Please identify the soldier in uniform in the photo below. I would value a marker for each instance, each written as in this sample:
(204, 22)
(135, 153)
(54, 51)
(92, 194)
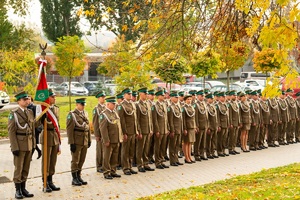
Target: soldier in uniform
(265, 121)
(53, 142)
(284, 118)
(145, 129)
(79, 139)
(22, 140)
(245, 121)
(274, 119)
(234, 122)
(181, 104)
(223, 121)
(160, 129)
(127, 114)
(180, 98)
(202, 124)
(150, 102)
(134, 95)
(175, 124)
(255, 121)
(96, 113)
(213, 128)
(111, 132)
(120, 98)
(292, 116)
(297, 130)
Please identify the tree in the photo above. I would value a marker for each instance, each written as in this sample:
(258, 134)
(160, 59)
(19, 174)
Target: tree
(69, 52)
(18, 69)
(59, 19)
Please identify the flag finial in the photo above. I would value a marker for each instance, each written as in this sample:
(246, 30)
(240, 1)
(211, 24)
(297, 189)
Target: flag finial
(43, 48)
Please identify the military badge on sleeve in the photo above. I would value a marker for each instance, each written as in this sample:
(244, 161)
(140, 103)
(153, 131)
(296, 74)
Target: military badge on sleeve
(69, 116)
(119, 107)
(94, 111)
(101, 117)
(10, 116)
(168, 109)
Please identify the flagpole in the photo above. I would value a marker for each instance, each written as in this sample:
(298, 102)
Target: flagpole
(45, 153)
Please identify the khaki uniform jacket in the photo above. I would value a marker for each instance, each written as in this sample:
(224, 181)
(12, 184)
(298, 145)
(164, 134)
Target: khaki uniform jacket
(78, 129)
(110, 127)
(292, 109)
(201, 115)
(52, 136)
(188, 117)
(160, 118)
(144, 117)
(223, 115)
(264, 112)
(298, 107)
(175, 118)
(234, 114)
(245, 112)
(212, 117)
(283, 110)
(274, 110)
(96, 114)
(127, 114)
(21, 130)
(255, 112)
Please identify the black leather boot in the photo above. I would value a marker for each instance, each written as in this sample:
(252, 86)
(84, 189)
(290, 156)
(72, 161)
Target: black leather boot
(18, 194)
(48, 189)
(80, 179)
(24, 191)
(75, 180)
(51, 185)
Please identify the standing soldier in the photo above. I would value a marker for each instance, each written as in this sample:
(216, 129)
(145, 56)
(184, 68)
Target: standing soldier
(160, 129)
(127, 114)
(53, 142)
(96, 113)
(245, 121)
(22, 141)
(274, 119)
(79, 138)
(211, 137)
(284, 118)
(202, 124)
(181, 104)
(297, 130)
(292, 116)
(120, 98)
(265, 121)
(175, 124)
(150, 102)
(223, 121)
(111, 132)
(255, 119)
(234, 122)
(145, 129)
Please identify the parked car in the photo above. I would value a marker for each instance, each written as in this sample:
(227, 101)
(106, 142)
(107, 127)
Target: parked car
(4, 99)
(253, 84)
(174, 86)
(200, 85)
(213, 83)
(76, 89)
(91, 86)
(52, 85)
(223, 88)
(111, 87)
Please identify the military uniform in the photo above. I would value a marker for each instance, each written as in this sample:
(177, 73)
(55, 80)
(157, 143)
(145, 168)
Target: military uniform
(234, 122)
(265, 121)
(292, 109)
(151, 139)
(99, 148)
(297, 129)
(255, 118)
(223, 121)
(273, 127)
(282, 125)
(145, 127)
(21, 134)
(111, 132)
(79, 138)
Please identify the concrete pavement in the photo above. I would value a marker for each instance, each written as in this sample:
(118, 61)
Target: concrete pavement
(142, 184)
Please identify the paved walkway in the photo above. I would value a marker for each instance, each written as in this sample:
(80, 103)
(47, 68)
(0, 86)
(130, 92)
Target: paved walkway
(142, 184)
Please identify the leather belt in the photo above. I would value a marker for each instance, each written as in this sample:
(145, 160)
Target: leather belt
(22, 134)
(50, 129)
(79, 130)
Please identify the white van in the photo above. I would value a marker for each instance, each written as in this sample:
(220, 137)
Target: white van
(253, 75)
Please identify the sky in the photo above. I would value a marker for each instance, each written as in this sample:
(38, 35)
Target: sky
(102, 38)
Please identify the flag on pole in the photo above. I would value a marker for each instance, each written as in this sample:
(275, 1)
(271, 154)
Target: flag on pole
(42, 97)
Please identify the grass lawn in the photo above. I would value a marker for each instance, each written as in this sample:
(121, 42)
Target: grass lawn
(3, 123)
(277, 183)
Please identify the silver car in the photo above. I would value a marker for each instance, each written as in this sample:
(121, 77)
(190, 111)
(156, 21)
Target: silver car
(4, 99)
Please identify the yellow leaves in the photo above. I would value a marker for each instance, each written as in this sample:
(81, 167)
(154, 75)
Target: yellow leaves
(79, 12)
(109, 9)
(124, 28)
(135, 18)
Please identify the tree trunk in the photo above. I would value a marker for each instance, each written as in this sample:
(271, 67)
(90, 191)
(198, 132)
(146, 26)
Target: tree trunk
(227, 73)
(69, 93)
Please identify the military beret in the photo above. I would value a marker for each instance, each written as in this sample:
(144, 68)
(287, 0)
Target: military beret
(159, 92)
(110, 99)
(216, 93)
(221, 94)
(120, 96)
(254, 92)
(248, 91)
(209, 96)
(143, 90)
(101, 93)
(134, 93)
(232, 92)
(127, 91)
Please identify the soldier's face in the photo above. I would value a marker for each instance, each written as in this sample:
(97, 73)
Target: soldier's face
(111, 106)
(80, 106)
(23, 102)
(210, 100)
(174, 99)
(200, 97)
(143, 96)
(151, 97)
(188, 100)
(52, 100)
(222, 99)
(233, 97)
(161, 97)
(127, 96)
(101, 100)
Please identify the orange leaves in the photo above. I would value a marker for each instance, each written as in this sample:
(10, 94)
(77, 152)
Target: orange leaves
(267, 60)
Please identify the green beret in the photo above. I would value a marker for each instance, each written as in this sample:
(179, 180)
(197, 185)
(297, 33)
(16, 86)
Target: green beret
(134, 93)
(192, 92)
(200, 92)
(159, 92)
(80, 100)
(187, 96)
(209, 96)
(110, 99)
(206, 91)
(254, 92)
(127, 91)
(297, 94)
(51, 92)
(289, 90)
(151, 92)
(181, 93)
(248, 91)
(221, 94)
(143, 90)
(101, 93)
(232, 92)
(120, 96)
(173, 94)
(21, 95)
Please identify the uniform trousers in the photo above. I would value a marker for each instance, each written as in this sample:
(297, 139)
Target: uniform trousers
(142, 150)
(233, 134)
(159, 148)
(110, 158)
(128, 148)
(297, 130)
(290, 130)
(202, 134)
(272, 136)
(281, 132)
(99, 154)
(211, 142)
(221, 133)
(22, 165)
(78, 158)
(51, 159)
(253, 136)
(173, 148)
(263, 133)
